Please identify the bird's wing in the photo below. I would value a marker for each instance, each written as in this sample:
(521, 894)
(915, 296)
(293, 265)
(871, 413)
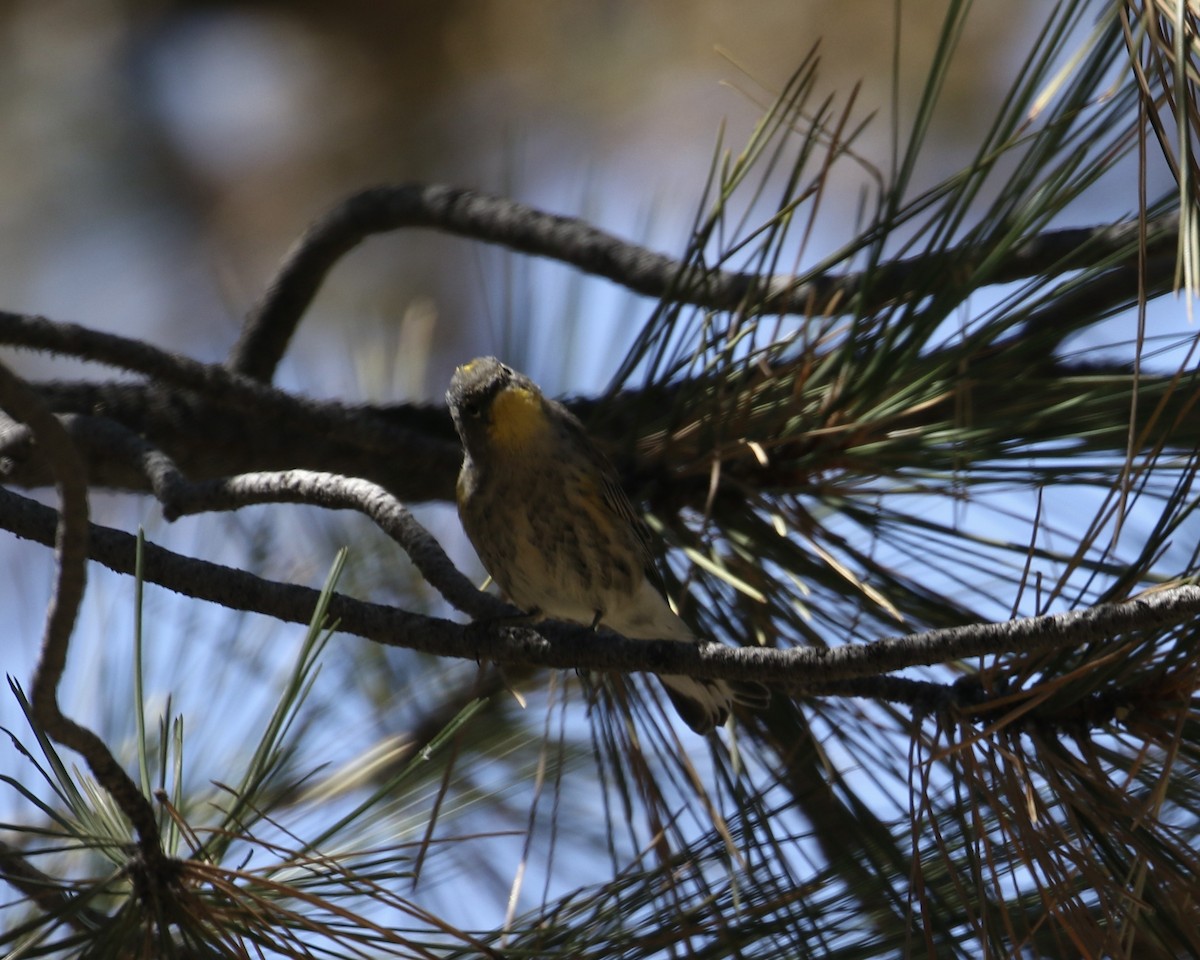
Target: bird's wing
(618, 502)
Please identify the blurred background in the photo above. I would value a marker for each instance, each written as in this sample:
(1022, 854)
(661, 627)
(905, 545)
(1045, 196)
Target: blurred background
(159, 158)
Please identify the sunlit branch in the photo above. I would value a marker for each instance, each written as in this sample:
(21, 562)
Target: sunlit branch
(342, 493)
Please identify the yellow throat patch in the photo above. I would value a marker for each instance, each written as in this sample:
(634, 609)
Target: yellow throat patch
(517, 418)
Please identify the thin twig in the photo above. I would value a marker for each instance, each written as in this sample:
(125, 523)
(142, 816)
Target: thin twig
(180, 497)
(71, 532)
(118, 440)
(342, 493)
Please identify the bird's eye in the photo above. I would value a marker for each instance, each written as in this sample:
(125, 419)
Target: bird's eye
(472, 409)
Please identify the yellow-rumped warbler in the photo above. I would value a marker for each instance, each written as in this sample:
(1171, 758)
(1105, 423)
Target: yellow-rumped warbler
(546, 513)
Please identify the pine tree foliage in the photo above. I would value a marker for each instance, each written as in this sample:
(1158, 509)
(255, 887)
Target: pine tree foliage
(962, 414)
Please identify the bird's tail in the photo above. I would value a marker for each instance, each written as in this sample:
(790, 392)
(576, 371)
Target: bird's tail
(705, 704)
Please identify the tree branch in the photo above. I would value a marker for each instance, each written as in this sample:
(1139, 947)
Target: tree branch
(180, 497)
(558, 645)
(71, 529)
(467, 213)
(231, 390)
(213, 422)
(343, 493)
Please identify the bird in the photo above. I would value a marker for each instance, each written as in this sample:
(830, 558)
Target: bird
(545, 511)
